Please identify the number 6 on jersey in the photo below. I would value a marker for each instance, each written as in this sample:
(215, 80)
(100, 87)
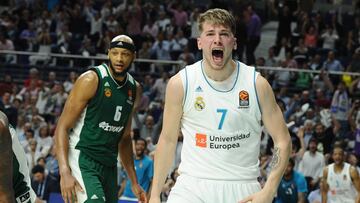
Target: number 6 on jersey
(117, 115)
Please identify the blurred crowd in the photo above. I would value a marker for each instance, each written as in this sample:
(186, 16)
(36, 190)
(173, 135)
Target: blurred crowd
(321, 110)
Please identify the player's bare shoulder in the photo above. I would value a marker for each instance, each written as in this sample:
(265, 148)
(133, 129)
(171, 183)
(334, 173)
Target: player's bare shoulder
(174, 89)
(88, 77)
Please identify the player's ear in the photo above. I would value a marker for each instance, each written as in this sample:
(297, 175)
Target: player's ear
(199, 43)
(235, 43)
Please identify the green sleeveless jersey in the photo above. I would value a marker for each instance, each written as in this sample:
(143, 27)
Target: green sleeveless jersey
(98, 131)
(21, 173)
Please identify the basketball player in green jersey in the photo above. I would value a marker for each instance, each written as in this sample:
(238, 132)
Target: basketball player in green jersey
(95, 126)
(15, 185)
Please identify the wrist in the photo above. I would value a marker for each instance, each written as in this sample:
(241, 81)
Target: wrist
(64, 170)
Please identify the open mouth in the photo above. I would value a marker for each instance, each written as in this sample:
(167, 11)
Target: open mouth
(217, 55)
(119, 66)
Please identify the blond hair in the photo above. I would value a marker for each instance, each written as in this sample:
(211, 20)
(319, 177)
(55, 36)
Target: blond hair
(217, 16)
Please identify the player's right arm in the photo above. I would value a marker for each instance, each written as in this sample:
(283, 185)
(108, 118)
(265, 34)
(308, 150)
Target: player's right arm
(326, 186)
(6, 157)
(83, 90)
(165, 149)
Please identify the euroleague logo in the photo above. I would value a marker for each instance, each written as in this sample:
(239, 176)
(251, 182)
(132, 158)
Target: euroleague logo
(243, 99)
(107, 92)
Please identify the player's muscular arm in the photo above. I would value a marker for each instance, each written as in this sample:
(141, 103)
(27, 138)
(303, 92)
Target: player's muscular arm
(125, 145)
(6, 157)
(275, 124)
(164, 154)
(356, 181)
(84, 89)
(126, 152)
(326, 186)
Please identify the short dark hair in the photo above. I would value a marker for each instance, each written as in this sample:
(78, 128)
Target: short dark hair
(37, 169)
(141, 139)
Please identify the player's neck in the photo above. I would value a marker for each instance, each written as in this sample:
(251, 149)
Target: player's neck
(219, 74)
(339, 167)
(118, 78)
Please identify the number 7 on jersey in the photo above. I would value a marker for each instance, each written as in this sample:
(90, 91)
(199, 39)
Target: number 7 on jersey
(223, 114)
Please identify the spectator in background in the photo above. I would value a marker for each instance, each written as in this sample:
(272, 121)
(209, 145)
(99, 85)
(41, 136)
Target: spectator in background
(312, 164)
(148, 128)
(69, 82)
(315, 195)
(134, 18)
(29, 136)
(180, 16)
(33, 77)
(150, 29)
(6, 44)
(161, 48)
(332, 64)
(321, 101)
(311, 37)
(64, 39)
(44, 40)
(284, 17)
(33, 154)
(340, 106)
(28, 37)
(354, 121)
(96, 21)
(144, 172)
(187, 56)
(325, 138)
(162, 21)
(158, 89)
(315, 62)
(43, 184)
(329, 38)
(293, 187)
(253, 34)
(44, 140)
(9, 109)
(52, 164)
(6, 85)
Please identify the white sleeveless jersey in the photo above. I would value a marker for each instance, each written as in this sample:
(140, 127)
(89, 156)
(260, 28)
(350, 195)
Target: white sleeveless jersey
(221, 129)
(340, 185)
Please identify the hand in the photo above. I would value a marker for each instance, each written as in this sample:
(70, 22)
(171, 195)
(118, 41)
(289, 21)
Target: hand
(259, 197)
(301, 133)
(154, 199)
(69, 185)
(139, 193)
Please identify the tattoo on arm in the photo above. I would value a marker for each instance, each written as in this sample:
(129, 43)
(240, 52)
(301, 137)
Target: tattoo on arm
(275, 158)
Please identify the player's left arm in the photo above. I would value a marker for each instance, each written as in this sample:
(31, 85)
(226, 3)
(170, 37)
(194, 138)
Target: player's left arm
(126, 150)
(356, 181)
(274, 123)
(6, 157)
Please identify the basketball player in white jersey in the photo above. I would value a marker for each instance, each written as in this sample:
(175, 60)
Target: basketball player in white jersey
(218, 104)
(15, 185)
(341, 179)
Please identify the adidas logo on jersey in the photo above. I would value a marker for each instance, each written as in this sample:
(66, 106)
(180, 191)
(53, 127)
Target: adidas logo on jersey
(107, 84)
(198, 89)
(94, 197)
